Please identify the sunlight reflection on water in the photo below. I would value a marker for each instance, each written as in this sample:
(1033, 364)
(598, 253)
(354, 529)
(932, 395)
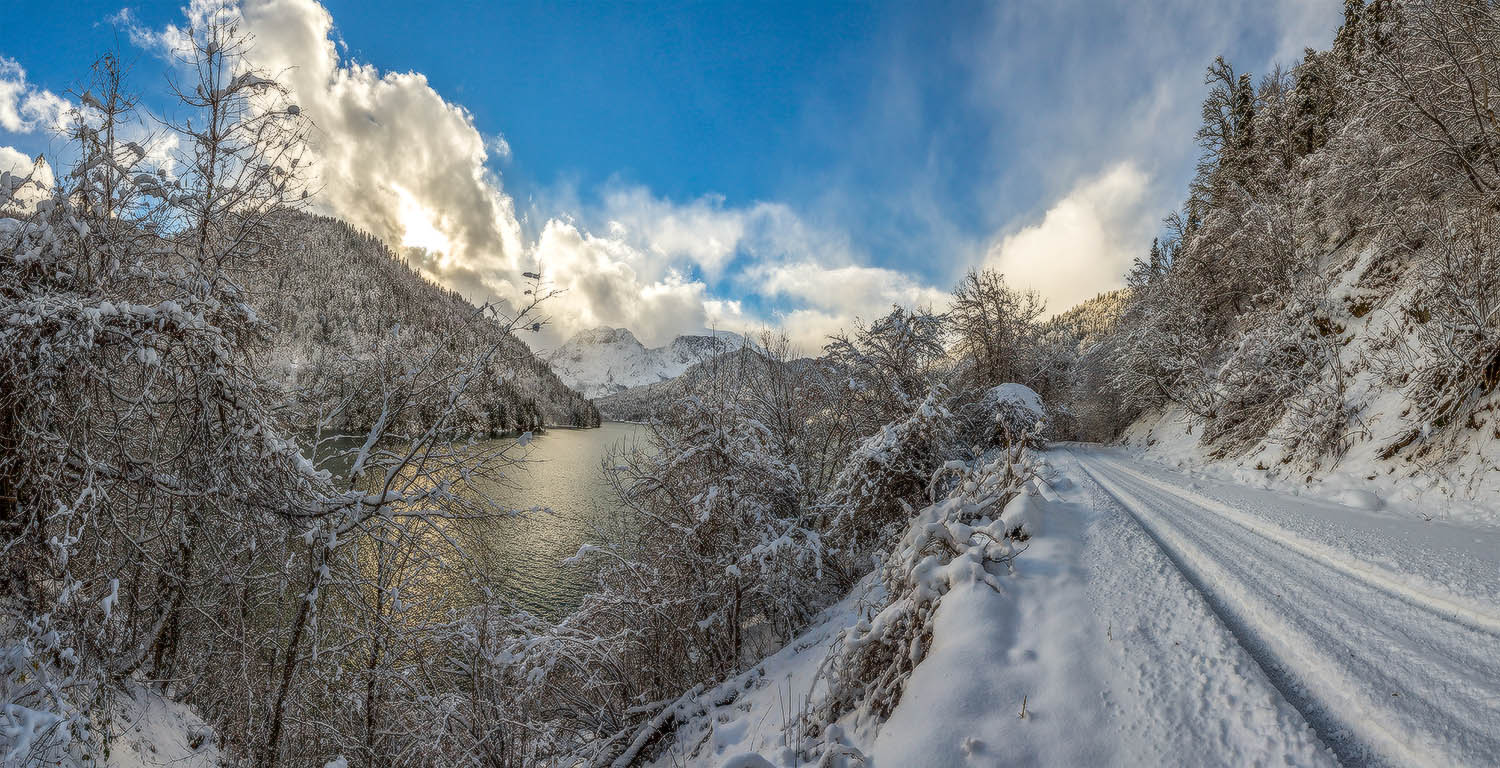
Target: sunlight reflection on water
(563, 473)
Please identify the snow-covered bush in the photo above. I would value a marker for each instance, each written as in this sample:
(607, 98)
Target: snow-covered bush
(882, 484)
(890, 364)
(960, 538)
(170, 515)
(142, 449)
(1284, 351)
(1002, 416)
(1454, 363)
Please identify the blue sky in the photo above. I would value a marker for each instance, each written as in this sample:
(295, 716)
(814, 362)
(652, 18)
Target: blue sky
(682, 164)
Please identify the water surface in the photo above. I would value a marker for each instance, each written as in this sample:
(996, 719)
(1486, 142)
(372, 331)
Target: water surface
(563, 474)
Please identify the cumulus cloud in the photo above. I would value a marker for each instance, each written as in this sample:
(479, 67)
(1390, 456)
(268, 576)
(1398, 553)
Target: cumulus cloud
(396, 158)
(832, 296)
(24, 107)
(1085, 241)
(701, 232)
(393, 155)
(604, 286)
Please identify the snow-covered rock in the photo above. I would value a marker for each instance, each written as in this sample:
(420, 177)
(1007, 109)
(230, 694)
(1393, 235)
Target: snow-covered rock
(602, 361)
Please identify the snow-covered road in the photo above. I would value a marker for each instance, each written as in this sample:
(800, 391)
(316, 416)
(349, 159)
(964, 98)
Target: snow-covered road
(1383, 632)
(1164, 618)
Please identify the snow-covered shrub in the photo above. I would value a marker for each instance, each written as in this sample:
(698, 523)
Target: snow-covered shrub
(722, 563)
(890, 363)
(1454, 364)
(1321, 423)
(142, 451)
(882, 484)
(163, 519)
(961, 538)
(43, 720)
(1001, 417)
(1284, 351)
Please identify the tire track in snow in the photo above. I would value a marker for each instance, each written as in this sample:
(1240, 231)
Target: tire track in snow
(1383, 678)
(1445, 606)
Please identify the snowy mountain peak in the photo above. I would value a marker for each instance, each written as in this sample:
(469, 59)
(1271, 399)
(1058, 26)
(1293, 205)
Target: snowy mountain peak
(602, 361)
(606, 335)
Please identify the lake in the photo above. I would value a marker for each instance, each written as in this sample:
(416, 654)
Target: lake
(564, 474)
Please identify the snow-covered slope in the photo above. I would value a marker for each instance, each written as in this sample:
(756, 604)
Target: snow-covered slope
(1383, 446)
(602, 361)
(337, 292)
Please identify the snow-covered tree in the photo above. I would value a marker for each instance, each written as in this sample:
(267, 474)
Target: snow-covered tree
(891, 363)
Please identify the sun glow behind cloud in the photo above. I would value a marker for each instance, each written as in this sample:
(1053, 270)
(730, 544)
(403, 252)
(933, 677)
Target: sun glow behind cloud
(417, 227)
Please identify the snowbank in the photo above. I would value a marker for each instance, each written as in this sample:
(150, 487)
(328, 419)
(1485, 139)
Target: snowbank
(1024, 513)
(148, 730)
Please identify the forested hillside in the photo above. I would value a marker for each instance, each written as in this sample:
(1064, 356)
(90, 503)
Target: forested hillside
(335, 294)
(1330, 288)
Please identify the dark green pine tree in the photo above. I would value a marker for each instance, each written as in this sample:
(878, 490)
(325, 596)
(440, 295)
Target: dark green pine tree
(1350, 40)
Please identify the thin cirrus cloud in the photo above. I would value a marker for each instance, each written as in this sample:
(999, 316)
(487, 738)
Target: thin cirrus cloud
(394, 157)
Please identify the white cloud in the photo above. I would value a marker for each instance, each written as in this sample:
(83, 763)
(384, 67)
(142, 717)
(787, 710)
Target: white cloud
(702, 232)
(393, 156)
(1084, 243)
(834, 295)
(603, 287)
(24, 107)
(499, 147)
(20, 164)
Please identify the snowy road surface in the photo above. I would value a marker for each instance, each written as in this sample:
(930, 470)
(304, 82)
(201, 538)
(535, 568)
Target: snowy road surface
(1158, 618)
(1383, 632)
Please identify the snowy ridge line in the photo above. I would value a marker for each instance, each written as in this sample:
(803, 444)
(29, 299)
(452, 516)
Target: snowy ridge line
(1450, 607)
(1200, 570)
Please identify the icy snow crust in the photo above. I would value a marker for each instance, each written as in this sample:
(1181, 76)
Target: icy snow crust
(149, 730)
(1383, 631)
